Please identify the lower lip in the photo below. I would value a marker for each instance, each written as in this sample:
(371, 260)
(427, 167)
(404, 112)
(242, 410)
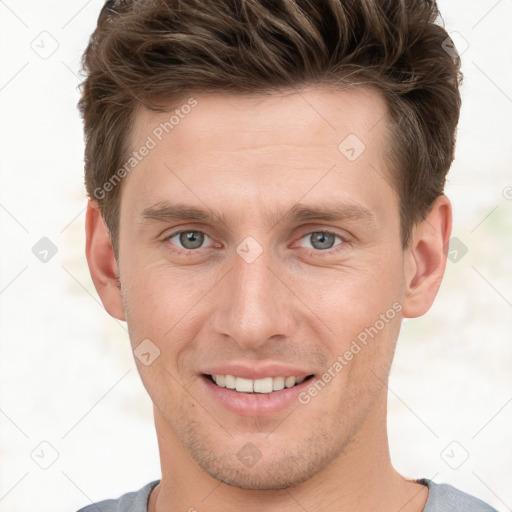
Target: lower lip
(254, 404)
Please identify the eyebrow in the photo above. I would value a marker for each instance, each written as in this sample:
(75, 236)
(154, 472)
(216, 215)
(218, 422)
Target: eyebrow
(333, 212)
(165, 211)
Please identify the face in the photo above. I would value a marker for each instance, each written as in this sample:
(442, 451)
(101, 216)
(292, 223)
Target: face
(260, 248)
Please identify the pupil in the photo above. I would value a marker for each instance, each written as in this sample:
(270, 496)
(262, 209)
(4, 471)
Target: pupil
(191, 239)
(322, 240)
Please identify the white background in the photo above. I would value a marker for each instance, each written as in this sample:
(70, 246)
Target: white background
(67, 372)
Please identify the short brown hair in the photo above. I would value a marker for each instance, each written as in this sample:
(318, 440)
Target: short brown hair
(146, 52)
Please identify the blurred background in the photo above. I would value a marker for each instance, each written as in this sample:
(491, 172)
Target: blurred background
(76, 424)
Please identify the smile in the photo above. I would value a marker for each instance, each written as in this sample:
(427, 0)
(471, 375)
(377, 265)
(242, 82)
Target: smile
(265, 385)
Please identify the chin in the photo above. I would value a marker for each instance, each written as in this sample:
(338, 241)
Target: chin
(272, 468)
(260, 478)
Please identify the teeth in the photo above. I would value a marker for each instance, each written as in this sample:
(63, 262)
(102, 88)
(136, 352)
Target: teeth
(289, 382)
(263, 385)
(229, 381)
(278, 383)
(266, 385)
(244, 385)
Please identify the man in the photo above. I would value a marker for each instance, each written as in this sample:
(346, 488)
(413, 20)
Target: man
(266, 205)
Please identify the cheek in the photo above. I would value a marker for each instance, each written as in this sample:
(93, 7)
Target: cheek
(362, 309)
(161, 299)
(169, 307)
(351, 299)
(360, 356)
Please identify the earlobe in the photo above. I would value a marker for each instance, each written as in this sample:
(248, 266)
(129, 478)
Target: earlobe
(425, 259)
(102, 263)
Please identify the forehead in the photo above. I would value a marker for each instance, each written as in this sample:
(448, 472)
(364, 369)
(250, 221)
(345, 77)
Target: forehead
(295, 115)
(265, 149)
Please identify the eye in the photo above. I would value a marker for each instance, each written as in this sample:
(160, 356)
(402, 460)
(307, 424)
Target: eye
(189, 240)
(321, 240)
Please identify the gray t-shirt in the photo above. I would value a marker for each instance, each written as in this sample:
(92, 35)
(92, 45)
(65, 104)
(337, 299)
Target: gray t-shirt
(441, 498)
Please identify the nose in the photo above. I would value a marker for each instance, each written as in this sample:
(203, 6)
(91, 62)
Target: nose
(254, 304)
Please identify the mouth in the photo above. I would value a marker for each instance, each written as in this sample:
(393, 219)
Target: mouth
(265, 385)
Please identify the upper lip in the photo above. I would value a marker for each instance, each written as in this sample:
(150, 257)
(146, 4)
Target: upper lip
(255, 372)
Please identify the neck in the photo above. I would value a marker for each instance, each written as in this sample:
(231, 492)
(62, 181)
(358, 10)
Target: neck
(361, 478)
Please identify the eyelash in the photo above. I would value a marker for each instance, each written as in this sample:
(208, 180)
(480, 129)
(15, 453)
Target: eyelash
(316, 252)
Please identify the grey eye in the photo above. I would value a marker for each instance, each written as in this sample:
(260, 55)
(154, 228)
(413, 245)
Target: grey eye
(190, 239)
(321, 240)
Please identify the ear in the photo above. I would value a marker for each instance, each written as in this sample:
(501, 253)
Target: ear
(425, 258)
(102, 263)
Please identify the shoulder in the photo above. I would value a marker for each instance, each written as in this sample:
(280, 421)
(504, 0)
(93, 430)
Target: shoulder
(130, 502)
(445, 498)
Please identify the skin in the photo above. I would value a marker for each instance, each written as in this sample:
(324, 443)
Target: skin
(252, 159)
